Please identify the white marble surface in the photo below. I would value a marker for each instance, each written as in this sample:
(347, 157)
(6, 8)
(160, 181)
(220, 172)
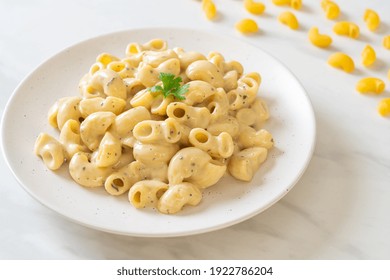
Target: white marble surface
(338, 210)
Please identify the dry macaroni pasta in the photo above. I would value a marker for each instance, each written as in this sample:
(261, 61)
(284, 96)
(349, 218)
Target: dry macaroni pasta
(384, 107)
(342, 61)
(330, 8)
(247, 26)
(386, 42)
(372, 19)
(159, 150)
(370, 85)
(346, 28)
(256, 8)
(289, 19)
(209, 9)
(295, 4)
(319, 40)
(368, 56)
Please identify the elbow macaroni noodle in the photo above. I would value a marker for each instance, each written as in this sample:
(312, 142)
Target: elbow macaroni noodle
(289, 19)
(372, 19)
(319, 40)
(256, 8)
(295, 4)
(384, 107)
(386, 42)
(342, 61)
(368, 56)
(247, 26)
(331, 9)
(281, 2)
(370, 85)
(209, 9)
(346, 28)
(160, 151)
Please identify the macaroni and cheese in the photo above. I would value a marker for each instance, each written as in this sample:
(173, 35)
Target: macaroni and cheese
(159, 141)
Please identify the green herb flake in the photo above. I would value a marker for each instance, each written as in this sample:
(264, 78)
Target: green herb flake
(171, 86)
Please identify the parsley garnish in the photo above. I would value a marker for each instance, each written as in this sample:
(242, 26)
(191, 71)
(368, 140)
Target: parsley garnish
(171, 86)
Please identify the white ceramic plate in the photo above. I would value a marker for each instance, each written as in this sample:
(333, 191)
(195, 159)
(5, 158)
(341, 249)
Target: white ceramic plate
(227, 203)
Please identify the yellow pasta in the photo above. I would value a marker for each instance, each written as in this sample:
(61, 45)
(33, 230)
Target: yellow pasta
(247, 26)
(173, 200)
(109, 152)
(99, 104)
(295, 4)
(346, 28)
(50, 150)
(190, 164)
(209, 9)
(155, 45)
(289, 19)
(71, 140)
(189, 115)
(331, 9)
(256, 8)
(384, 107)
(342, 61)
(370, 85)
(372, 19)
(68, 109)
(147, 193)
(217, 146)
(386, 42)
(154, 154)
(319, 40)
(96, 67)
(244, 164)
(227, 124)
(204, 70)
(249, 137)
(281, 2)
(150, 131)
(133, 49)
(368, 56)
(94, 127)
(85, 172)
(124, 69)
(123, 125)
(106, 58)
